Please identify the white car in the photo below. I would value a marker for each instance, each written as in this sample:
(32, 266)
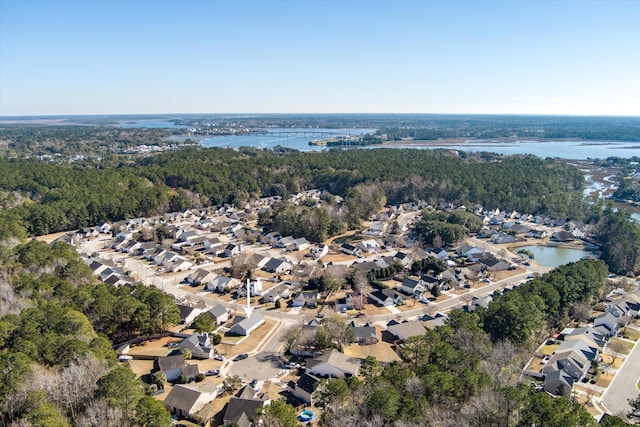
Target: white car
(124, 358)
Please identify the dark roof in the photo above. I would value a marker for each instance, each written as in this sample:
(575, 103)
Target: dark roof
(307, 382)
(170, 362)
(239, 410)
(185, 311)
(190, 370)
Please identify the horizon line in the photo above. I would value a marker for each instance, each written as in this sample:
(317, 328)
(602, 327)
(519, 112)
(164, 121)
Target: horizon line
(315, 114)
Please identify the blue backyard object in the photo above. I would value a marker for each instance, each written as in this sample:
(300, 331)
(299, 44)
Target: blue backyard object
(306, 416)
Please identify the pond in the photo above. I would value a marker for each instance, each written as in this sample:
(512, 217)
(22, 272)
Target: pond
(552, 256)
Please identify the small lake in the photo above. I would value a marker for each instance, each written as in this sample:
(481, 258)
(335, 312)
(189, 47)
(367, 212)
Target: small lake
(552, 256)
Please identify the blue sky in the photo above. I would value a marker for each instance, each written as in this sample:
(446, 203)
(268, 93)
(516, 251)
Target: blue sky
(142, 56)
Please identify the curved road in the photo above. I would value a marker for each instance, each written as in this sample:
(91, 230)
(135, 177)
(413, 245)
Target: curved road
(624, 385)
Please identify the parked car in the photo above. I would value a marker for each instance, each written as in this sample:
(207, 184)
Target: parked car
(218, 357)
(241, 356)
(124, 358)
(213, 373)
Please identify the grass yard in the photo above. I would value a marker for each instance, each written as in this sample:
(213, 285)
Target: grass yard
(605, 379)
(609, 360)
(620, 346)
(548, 349)
(632, 334)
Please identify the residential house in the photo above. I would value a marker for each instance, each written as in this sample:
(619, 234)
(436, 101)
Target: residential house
(385, 297)
(412, 287)
(562, 236)
(320, 250)
(558, 383)
(432, 322)
(333, 364)
(503, 238)
(188, 313)
(255, 288)
(179, 263)
(406, 329)
(305, 387)
(305, 343)
(377, 228)
(258, 260)
(279, 291)
(536, 234)
(348, 302)
(351, 250)
(494, 264)
(223, 284)
(276, 265)
(477, 302)
(369, 246)
(104, 228)
(199, 344)
(171, 366)
(185, 400)
(219, 314)
(285, 242)
(307, 299)
(242, 410)
(365, 335)
(467, 250)
(403, 258)
(245, 325)
(300, 244)
(609, 321)
(232, 250)
(201, 277)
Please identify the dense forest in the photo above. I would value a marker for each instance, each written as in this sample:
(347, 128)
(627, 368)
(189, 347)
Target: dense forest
(44, 197)
(57, 366)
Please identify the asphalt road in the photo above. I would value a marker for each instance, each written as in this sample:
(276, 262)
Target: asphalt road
(624, 385)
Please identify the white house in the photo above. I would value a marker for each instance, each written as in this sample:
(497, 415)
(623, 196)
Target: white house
(333, 364)
(318, 251)
(185, 400)
(246, 325)
(199, 345)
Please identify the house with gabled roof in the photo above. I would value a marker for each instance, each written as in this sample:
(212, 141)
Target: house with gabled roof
(351, 250)
(188, 313)
(276, 265)
(333, 364)
(222, 284)
(406, 329)
(305, 299)
(243, 409)
(305, 387)
(219, 314)
(300, 244)
(185, 400)
(200, 277)
(385, 297)
(245, 325)
(199, 344)
(412, 286)
(171, 366)
(365, 335)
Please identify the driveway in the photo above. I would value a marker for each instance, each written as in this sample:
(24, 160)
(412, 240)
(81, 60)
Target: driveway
(261, 366)
(624, 385)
